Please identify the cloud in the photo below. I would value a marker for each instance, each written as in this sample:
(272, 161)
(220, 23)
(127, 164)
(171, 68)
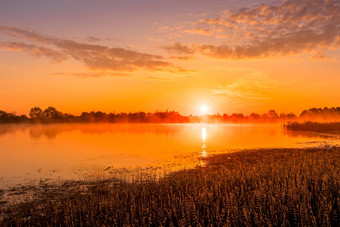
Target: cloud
(34, 50)
(163, 77)
(201, 31)
(321, 56)
(95, 57)
(23, 33)
(289, 28)
(254, 86)
(178, 48)
(182, 58)
(92, 75)
(241, 90)
(92, 39)
(150, 38)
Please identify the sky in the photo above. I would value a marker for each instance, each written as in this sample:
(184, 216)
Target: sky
(148, 55)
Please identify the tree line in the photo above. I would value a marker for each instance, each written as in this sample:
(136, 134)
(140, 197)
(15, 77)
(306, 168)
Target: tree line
(52, 115)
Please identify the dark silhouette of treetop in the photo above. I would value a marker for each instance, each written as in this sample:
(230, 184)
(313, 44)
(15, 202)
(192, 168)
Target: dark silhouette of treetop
(52, 115)
(36, 113)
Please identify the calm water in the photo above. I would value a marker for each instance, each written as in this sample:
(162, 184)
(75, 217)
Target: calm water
(74, 151)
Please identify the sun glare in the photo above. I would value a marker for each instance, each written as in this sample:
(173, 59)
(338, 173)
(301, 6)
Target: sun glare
(204, 109)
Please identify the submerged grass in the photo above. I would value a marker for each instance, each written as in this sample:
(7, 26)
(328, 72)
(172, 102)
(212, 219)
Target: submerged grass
(265, 187)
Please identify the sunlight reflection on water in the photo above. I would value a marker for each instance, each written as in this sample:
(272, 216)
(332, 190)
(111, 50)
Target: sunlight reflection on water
(204, 146)
(67, 151)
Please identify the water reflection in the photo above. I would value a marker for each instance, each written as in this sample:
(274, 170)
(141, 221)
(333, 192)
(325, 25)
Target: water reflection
(68, 150)
(39, 132)
(204, 145)
(303, 134)
(51, 131)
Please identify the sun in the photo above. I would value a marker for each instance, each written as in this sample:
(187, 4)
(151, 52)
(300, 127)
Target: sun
(204, 109)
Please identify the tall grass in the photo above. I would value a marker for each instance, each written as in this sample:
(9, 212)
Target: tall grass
(313, 126)
(280, 187)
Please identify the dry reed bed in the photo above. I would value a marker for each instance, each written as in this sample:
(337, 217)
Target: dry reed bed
(265, 187)
(314, 126)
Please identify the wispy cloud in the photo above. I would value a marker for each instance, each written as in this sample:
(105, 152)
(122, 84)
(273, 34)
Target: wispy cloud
(289, 28)
(163, 77)
(254, 86)
(92, 39)
(178, 48)
(202, 31)
(95, 57)
(92, 74)
(39, 51)
(182, 58)
(241, 90)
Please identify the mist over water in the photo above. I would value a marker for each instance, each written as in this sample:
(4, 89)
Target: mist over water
(30, 152)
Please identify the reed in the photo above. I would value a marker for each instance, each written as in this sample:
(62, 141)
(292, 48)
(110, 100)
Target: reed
(280, 187)
(314, 126)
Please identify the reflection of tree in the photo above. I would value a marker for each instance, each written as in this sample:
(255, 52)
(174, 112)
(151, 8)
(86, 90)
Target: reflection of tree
(51, 131)
(308, 134)
(38, 132)
(10, 128)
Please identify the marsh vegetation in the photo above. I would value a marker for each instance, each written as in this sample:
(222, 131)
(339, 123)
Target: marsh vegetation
(326, 127)
(252, 187)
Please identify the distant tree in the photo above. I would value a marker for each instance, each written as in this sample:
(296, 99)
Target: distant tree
(291, 116)
(283, 116)
(36, 113)
(85, 117)
(111, 117)
(12, 118)
(236, 118)
(4, 117)
(142, 117)
(326, 114)
(254, 117)
(2, 113)
(52, 113)
(100, 116)
(264, 117)
(23, 118)
(272, 114)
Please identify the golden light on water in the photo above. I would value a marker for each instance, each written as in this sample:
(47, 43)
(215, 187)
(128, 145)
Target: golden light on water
(204, 146)
(204, 134)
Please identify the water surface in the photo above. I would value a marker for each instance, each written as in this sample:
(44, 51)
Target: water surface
(73, 151)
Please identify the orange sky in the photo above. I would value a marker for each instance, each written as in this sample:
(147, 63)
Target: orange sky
(240, 56)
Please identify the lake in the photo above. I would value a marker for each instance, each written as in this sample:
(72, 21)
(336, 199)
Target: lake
(30, 153)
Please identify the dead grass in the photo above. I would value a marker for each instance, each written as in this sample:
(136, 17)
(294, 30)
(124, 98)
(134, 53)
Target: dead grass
(280, 187)
(331, 127)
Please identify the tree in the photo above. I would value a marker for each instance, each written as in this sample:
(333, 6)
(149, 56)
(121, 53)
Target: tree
(36, 113)
(52, 114)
